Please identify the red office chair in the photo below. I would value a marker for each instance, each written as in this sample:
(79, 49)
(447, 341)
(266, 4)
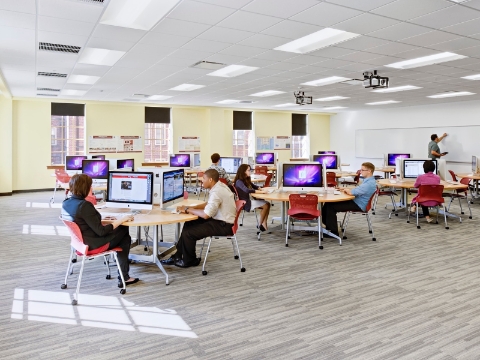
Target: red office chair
(81, 249)
(268, 180)
(385, 192)
(61, 178)
(236, 251)
(366, 212)
(454, 177)
(355, 181)
(430, 194)
(331, 179)
(460, 194)
(261, 170)
(304, 207)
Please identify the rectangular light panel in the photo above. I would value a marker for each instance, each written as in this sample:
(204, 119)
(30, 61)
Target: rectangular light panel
(83, 79)
(451, 94)
(233, 71)
(396, 89)
(383, 102)
(187, 87)
(268, 93)
(326, 81)
(426, 60)
(332, 98)
(97, 56)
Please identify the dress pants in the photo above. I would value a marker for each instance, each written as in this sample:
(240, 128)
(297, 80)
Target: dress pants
(122, 240)
(196, 230)
(329, 213)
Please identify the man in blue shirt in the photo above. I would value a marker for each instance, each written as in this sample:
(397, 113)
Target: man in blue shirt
(362, 194)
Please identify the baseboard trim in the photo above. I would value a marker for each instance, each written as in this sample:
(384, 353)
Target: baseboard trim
(6, 194)
(30, 191)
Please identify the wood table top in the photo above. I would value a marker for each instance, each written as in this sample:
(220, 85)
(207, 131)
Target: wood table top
(283, 196)
(408, 184)
(469, 176)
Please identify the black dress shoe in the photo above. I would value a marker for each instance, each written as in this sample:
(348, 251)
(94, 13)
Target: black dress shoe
(131, 282)
(183, 264)
(169, 261)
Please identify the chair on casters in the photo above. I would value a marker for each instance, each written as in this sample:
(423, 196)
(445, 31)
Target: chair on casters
(385, 192)
(81, 249)
(331, 179)
(239, 204)
(61, 177)
(431, 196)
(452, 174)
(460, 194)
(304, 207)
(366, 212)
(261, 170)
(355, 181)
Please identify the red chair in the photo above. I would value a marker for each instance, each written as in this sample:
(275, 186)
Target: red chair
(61, 180)
(385, 192)
(454, 177)
(460, 194)
(331, 179)
(366, 212)
(236, 251)
(81, 249)
(304, 207)
(261, 170)
(355, 181)
(268, 180)
(428, 194)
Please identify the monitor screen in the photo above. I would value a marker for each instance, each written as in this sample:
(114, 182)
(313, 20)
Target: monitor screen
(230, 164)
(265, 158)
(393, 157)
(414, 168)
(326, 152)
(134, 188)
(180, 160)
(96, 169)
(98, 157)
(196, 160)
(330, 161)
(173, 185)
(302, 175)
(125, 163)
(474, 164)
(74, 162)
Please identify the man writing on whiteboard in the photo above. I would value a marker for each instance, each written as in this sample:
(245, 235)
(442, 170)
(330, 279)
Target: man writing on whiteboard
(433, 148)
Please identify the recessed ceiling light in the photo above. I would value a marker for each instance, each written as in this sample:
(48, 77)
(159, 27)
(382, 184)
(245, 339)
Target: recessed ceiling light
(383, 102)
(83, 79)
(335, 108)
(332, 98)
(450, 94)
(136, 14)
(326, 81)
(426, 60)
(159, 97)
(459, 1)
(73, 92)
(268, 93)
(187, 87)
(97, 56)
(285, 105)
(233, 70)
(228, 102)
(398, 88)
(318, 40)
(472, 77)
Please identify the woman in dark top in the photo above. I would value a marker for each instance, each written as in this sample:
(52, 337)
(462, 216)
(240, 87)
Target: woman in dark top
(89, 220)
(244, 187)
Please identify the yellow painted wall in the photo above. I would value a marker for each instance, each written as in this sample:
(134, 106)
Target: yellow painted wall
(6, 145)
(319, 131)
(274, 124)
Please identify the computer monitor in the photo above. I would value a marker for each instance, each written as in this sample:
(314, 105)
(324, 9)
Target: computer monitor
(475, 164)
(98, 157)
(180, 160)
(328, 152)
(392, 157)
(74, 162)
(96, 169)
(125, 164)
(230, 164)
(172, 185)
(265, 158)
(196, 159)
(306, 176)
(131, 190)
(413, 168)
(330, 161)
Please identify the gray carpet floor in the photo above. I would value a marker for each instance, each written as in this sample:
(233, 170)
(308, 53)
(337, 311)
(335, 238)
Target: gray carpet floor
(412, 294)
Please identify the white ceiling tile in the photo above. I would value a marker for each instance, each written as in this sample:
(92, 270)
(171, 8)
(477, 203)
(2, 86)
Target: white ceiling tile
(360, 56)
(364, 5)
(471, 52)
(17, 41)
(161, 39)
(206, 45)
(362, 43)
(72, 10)
(409, 9)
(276, 55)
(391, 48)
(59, 38)
(226, 59)
(50, 82)
(23, 63)
(17, 19)
(242, 20)
(383, 60)
(54, 60)
(466, 28)
(304, 60)
(456, 44)
(234, 4)
(400, 31)
(365, 23)
(279, 8)
(200, 12)
(261, 63)
(431, 38)
(447, 17)
(72, 27)
(19, 78)
(24, 6)
(291, 29)
(332, 52)
(118, 33)
(225, 35)
(109, 44)
(325, 14)
(241, 50)
(92, 70)
(264, 41)
(143, 55)
(416, 53)
(180, 28)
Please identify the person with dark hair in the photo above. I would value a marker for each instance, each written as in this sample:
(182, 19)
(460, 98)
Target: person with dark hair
(94, 233)
(244, 187)
(429, 178)
(221, 171)
(215, 218)
(433, 148)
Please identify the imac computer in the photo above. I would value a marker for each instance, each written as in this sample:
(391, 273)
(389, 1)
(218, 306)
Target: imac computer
(326, 152)
(330, 161)
(475, 165)
(230, 164)
(180, 161)
(413, 168)
(265, 158)
(392, 157)
(131, 190)
(126, 164)
(173, 182)
(98, 157)
(306, 176)
(96, 169)
(73, 164)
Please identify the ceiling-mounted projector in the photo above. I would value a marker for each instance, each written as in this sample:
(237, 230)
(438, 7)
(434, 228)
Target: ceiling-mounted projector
(375, 81)
(301, 99)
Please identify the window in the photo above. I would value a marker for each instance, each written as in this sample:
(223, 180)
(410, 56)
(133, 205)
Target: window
(68, 137)
(243, 143)
(157, 142)
(300, 147)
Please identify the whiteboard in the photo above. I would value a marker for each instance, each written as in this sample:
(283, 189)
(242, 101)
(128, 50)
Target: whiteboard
(461, 143)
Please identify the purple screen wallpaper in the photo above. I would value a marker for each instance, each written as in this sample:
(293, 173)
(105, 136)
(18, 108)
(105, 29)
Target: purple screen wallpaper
(74, 162)
(180, 160)
(128, 163)
(306, 175)
(326, 152)
(265, 158)
(96, 169)
(393, 157)
(329, 160)
(98, 157)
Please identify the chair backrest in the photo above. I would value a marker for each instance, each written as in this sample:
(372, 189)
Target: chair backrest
(91, 198)
(76, 237)
(62, 176)
(369, 205)
(464, 181)
(331, 178)
(430, 193)
(239, 204)
(268, 180)
(223, 181)
(357, 177)
(303, 201)
(261, 169)
(454, 177)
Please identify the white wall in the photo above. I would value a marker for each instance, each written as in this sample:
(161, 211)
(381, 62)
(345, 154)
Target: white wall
(344, 125)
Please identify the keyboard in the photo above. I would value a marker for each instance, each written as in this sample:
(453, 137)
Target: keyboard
(115, 216)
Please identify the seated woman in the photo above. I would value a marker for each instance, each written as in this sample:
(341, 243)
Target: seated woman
(244, 187)
(429, 178)
(94, 233)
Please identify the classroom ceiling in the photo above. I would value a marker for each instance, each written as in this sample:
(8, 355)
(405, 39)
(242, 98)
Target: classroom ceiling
(239, 32)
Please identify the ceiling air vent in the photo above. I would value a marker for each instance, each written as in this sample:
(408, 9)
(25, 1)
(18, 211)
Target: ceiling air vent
(59, 48)
(41, 73)
(47, 95)
(47, 89)
(140, 96)
(208, 65)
